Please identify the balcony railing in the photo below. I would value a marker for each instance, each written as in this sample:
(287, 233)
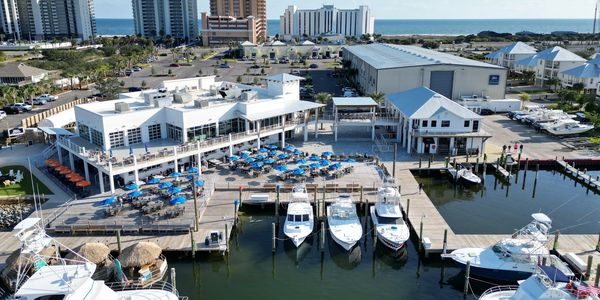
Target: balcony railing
(420, 132)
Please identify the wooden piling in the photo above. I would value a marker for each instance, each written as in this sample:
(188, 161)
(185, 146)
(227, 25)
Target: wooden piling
(420, 162)
(537, 169)
(526, 164)
(556, 236)
(194, 193)
(467, 274)
(273, 237)
(395, 158)
(421, 236)
(407, 208)
(277, 203)
(477, 165)
(226, 239)
(192, 244)
(454, 163)
(544, 260)
(322, 236)
(597, 280)
(119, 246)
(173, 278)
(361, 194)
(445, 244)
(588, 271)
(598, 243)
(429, 163)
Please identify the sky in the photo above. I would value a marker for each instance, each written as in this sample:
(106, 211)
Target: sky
(410, 9)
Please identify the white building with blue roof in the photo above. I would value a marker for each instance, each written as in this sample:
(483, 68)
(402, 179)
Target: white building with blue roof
(433, 124)
(508, 55)
(587, 74)
(547, 64)
(395, 68)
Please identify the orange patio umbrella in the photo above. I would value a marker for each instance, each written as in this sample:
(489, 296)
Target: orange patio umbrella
(76, 179)
(49, 161)
(60, 168)
(53, 164)
(83, 184)
(65, 171)
(72, 174)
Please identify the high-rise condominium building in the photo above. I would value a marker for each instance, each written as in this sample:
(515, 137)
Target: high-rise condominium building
(9, 19)
(241, 9)
(48, 19)
(177, 18)
(327, 20)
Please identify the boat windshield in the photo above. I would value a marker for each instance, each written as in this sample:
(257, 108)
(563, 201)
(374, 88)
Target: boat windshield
(389, 221)
(298, 218)
(342, 214)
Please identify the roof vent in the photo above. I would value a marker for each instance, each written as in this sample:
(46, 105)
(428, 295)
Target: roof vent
(201, 103)
(121, 107)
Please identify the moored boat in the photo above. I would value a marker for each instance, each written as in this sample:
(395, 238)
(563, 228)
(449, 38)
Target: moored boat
(344, 225)
(299, 222)
(388, 220)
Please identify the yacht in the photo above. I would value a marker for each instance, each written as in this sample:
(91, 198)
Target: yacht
(388, 220)
(514, 258)
(566, 127)
(547, 283)
(299, 222)
(344, 224)
(69, 279)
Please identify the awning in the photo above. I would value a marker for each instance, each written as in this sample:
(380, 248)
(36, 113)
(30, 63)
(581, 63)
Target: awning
(56, 131)
(288, 109)
(60, 119)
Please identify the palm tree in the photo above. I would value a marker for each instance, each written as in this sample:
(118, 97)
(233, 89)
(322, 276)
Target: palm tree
(11, 94)
(323, 98)
(378, 97)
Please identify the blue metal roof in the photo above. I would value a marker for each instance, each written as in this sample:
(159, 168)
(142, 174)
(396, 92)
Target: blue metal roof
(422, 103)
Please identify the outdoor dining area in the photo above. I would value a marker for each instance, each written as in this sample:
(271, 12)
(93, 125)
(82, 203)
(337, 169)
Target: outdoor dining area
(68, 178)
(160, 197)
(290, 163)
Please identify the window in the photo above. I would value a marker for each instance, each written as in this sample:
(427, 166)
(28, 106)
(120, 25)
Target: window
(424, 123)
(174, 133)
(433, 123)
(446, 123)
(475, 126)
(154, 132)
(117, 139)
(97, 138)
(84, 131)
(134, 136)
(201, 133)
(467, 123)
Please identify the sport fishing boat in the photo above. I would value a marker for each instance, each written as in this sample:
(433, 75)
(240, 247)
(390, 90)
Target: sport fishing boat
(70, 279)
(567, 127)
(547, 283)
(343, 221)
(514, 258)
(387, 217)
(299, 222)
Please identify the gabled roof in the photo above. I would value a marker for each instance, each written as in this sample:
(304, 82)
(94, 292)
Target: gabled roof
(276, 43)
(560, 54)
(17, 69)
(494, 55)
(387, 56)
(307, 43)
(518, 48)
(586, 70)
(529, 61)
(354, 101)
(423, 103)
(284, 77)
(248, 44)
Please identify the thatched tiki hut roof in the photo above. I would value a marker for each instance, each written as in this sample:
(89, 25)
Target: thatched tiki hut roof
(9, 273)
(97, 253)
(140, 254)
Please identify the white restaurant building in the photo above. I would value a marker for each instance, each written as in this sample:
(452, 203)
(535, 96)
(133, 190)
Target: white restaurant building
(184, 122)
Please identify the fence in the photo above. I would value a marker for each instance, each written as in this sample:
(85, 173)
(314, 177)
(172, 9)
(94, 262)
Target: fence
(35, 119)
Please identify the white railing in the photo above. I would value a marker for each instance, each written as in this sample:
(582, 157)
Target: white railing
(159, 285)
(500, 288)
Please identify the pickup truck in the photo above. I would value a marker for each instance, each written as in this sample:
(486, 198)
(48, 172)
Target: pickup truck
(36, 101)
(47, 97)
(21, 107)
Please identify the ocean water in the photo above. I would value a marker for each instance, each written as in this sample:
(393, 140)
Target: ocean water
(407, 27)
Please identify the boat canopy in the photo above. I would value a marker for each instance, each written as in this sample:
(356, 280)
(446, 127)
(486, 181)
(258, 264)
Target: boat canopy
(542, 218)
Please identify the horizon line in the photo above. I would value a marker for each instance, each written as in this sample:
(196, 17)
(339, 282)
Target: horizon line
(424, 19)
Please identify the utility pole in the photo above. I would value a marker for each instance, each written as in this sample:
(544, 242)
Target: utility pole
(595, 17)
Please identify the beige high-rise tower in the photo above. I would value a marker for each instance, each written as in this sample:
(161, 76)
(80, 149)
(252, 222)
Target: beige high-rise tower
(243, 9)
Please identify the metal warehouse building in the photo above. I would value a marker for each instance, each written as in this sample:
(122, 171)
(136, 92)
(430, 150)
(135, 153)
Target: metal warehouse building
(393, 68)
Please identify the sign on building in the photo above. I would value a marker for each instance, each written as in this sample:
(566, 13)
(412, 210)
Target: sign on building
(494, 80)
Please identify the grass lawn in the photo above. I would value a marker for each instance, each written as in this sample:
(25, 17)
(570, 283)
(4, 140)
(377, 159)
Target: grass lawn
(333, 64)
(24, 187)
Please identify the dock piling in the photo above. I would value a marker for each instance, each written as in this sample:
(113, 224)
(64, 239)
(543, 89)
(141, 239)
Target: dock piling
(273, 237)
(598, 243)
(322, 236)
(429, 163)
(195, 194)
(556, 236)
(277, 203)
(407, 208)
(420, 163)
(395, 158)
(588, 271)
(467, 274)
(454, 163)
(477, 165)
(421, 236)
(119, 247)
(597, 280)
(544, 261)
(193, 244)
(445, 245)
(173, 278)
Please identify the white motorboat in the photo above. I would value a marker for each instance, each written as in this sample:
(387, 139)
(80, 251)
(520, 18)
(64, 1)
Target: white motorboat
(344, 224)
(465, 175)
(70, 279)
(566, 127)
(299, 222)
(388, 220)
(514, 258)
(547, 283)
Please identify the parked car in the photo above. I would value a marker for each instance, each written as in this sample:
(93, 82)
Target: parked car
(349, 94)
(136, 69)
(47, 97)
(225, 66)
(36, 101)
(2, 114)
(314, 66)
(22, 106)
(174, 65)
(10, 110)
(128, 72)
(135, 89)
(486, 112)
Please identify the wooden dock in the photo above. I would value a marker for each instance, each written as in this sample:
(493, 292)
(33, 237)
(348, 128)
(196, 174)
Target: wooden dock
(579, 175)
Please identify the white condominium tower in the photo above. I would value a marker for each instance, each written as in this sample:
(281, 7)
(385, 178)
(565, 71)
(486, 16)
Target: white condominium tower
(9, 19)
(48, 19)
(326, 20)
(176, 18)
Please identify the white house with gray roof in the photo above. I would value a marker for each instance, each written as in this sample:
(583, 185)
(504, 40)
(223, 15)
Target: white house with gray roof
(508, 55)
(433, 124)
(394, 68)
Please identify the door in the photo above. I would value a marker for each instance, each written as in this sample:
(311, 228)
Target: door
(442, 82)
(475, 126)
(427, 148)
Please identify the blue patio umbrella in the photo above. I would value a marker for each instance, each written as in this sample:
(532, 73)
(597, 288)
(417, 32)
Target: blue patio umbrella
(135, 194)
(130, 150)
(146, 147)
(314, 166)
(301, 161)
(288, 148)
(245, 154)
(199, 182)
(335, 166)
(260, 157)
(269, 161)
(324, 162)
(132, 186)
(263, 150)
(281, 168)
(108, 201)
(250, 160)
(165, 185)
(189, 177)
(154, 180)
(177, 200)
(192, 170)
(175, 190)
(234, 158)
(283, 156)
(298, 171)
(257, 164)
(273, 152)
(349, 160)
(176, 174)
(297, 152)
(272, 146)
(327, 153)
(314, 158)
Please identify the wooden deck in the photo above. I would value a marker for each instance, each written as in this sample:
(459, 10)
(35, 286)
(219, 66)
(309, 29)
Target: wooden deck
(580, 175)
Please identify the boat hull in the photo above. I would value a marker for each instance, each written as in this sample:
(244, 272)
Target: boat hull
(466, 181)
(394, 245)
(495, 274)
(344, 244)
